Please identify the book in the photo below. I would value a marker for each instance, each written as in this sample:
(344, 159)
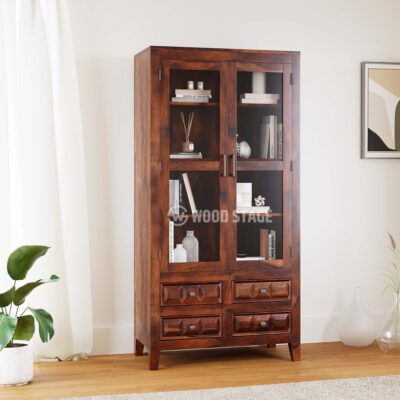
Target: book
(189, 192)
(190, 99)
(264, 138)
(192, 93)
(253, 209)
(264, 243)
(272, 245)
(185, 155)
(174, 200)
(280, 141)
(171, 242)
(272, 137)
(258, 101)
(250, 259)
(259, 96)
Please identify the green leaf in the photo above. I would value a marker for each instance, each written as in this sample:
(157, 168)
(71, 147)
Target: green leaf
(45, 322)
(7, 297)
(25, 328)
(7, 328)
(23, 291)
(22, 259)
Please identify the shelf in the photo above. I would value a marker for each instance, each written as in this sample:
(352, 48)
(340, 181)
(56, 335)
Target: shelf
(259, 165)
(194, 104)
(256, 105)
(187, 164)
(262, 264)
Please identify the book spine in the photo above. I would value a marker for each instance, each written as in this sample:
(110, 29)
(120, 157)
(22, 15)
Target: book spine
(189, 192)
(171, 241)
(176, 196)
(273, 245)
(276, 138)
(272, 138)
(280, 141)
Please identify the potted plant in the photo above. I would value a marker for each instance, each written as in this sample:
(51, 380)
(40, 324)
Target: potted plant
(17, 321)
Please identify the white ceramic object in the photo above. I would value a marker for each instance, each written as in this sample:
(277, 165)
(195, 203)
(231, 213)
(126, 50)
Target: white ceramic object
(259, 82)
(180, 254)
(191, 245)
(16, 365)
(357, 328)
(244, 149)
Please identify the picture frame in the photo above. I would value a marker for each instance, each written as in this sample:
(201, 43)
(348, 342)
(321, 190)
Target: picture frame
(380, 127)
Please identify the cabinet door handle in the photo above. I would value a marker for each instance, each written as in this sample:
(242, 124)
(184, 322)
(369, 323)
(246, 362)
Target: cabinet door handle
(225, 165)
(234, 164)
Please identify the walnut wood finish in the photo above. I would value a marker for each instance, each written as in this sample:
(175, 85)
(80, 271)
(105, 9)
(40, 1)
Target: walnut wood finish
(234, 303)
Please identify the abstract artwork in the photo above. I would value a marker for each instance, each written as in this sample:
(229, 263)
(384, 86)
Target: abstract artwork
(380, 110)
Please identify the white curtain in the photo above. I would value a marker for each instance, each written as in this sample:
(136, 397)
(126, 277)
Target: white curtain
(42, 170)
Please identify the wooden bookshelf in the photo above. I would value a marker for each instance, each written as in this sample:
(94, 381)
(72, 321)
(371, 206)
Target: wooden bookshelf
(217, 301)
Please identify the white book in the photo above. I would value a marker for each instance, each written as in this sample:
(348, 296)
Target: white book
(189, 192)
(280, 141)
(171, 242)
(253, 209)
(259, 101)
(192, 92)
(265, 96)
(271, 139)
(185, 155)
(176, 196)
(190, 100)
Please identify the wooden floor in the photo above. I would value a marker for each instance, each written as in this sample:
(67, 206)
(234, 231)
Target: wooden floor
(202, 369)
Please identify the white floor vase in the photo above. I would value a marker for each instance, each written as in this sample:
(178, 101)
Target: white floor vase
(16, 365)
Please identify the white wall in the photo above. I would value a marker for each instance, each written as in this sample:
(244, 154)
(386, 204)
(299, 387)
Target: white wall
(348, 204)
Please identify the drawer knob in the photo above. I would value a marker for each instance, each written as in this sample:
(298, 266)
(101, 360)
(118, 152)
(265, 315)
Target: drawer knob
(263, 291)
(263, 324)
(192, 327)
(192, 293)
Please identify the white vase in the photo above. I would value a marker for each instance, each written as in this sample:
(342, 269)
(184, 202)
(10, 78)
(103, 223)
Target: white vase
(180, 254)
(357, 327)
(16, 365)
(191, 245)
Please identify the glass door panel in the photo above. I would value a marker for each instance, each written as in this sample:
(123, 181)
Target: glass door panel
(191, 142)
(261, 207)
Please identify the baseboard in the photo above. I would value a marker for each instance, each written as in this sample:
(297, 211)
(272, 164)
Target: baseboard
(113, 340)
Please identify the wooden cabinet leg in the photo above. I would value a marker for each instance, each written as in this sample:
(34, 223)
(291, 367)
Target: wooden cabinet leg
(138, 348)
(294, 350)
(154, 358)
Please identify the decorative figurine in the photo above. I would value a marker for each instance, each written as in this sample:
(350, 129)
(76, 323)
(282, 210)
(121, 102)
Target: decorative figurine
(243, 149)
(187, 146)
(259, 201)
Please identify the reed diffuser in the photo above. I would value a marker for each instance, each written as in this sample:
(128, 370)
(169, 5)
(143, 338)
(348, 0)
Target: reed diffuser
(187, 145)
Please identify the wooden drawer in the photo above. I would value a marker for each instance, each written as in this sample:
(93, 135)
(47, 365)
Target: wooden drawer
(261, 291)
(261, 324)
(191, 327)
(191, 293)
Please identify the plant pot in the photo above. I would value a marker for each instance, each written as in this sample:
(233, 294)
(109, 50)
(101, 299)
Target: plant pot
(16, 365)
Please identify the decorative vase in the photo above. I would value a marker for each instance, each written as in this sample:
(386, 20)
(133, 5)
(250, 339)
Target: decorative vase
(188, 147)
(389, 339)
(357, 328)
(191, 245)
(180, 254)
(16, 365)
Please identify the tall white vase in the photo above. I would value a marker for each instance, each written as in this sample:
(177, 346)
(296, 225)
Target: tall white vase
(16, 365)
(357, 327)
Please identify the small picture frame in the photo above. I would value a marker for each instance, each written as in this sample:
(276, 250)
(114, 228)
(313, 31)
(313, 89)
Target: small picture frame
(380, 110)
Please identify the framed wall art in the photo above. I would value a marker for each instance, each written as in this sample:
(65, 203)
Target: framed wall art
(380, 110)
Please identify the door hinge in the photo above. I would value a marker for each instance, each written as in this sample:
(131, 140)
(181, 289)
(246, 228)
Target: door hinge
(160, 166)
(159, 255)
(291, 251)
(291, 78)
(160, 73)
(291, 166)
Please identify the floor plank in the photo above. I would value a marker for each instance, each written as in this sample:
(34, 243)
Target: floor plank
(203, 369)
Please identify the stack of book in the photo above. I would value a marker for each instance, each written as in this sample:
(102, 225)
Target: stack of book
(186, 155)
(175, 195)
(268, 244)
(259, 98)
(192, 96)
(271, 138)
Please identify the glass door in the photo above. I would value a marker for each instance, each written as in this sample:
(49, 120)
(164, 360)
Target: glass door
(192, 148)
(260, 120)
